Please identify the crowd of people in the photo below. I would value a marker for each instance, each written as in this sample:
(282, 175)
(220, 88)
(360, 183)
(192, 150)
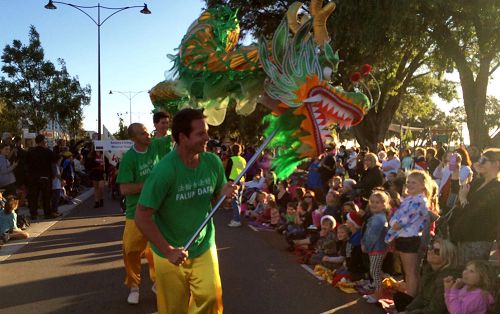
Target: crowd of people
(42, 177)
(429, 215)
(361, 215)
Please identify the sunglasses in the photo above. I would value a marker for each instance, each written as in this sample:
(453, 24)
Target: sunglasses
(434, 250)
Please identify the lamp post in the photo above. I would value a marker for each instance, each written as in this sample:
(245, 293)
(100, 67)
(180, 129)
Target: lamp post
(130, 95)
(98, 23)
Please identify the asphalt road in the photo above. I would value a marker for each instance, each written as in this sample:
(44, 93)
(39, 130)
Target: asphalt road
(76, 267)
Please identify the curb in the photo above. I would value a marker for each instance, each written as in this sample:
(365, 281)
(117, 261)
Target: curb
(40, 226)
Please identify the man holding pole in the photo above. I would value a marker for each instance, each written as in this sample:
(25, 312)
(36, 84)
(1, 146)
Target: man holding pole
(135, 167)
(174, 202)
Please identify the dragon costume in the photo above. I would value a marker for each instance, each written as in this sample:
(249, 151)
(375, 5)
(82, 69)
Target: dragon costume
(291, 75)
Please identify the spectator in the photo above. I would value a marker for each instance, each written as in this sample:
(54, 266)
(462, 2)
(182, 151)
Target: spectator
(407, 225)
(336, 261)
(8, 221)
(419, 161)
(325, 246)
(7, 177)
(440, 150)
(283, 197)
(479, 207)
(39, 162)
(57, 182)
(327, 168)
(371, 178)
(444, 173)
(432, 161)
(19, 156)
(94, 165)
(234, 167)
(354, 254)
(441, 263)
(313, 176)
(391, 164)
(471, 294)
(406, 159)
(372, 241)
(352, 163)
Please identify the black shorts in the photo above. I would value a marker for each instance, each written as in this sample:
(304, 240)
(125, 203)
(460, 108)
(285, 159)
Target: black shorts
(408, 245)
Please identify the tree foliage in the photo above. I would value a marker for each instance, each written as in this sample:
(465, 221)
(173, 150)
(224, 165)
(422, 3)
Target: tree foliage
(122, 133)
(467, 34)
(387, 34)
(36, 91)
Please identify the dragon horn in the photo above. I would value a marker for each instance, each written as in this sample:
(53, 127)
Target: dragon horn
(291, 16)
(320, 14)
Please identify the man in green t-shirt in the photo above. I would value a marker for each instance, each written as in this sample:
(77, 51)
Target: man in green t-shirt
(135, 166)
(174, 202)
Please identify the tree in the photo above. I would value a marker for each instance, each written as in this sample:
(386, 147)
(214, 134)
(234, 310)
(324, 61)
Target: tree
(122, 133)
(387, 34)
(491, 119)
(467, 34)
(36, 90)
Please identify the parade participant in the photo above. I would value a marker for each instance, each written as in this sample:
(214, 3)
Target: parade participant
(234, 166)
(161, 123)
(178, 195)
(135, 166)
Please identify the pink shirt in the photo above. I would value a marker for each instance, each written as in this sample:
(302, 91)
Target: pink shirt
(461, 301)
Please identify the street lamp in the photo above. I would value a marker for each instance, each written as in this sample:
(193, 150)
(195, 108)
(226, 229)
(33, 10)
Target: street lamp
(98, 22)
(130, 95)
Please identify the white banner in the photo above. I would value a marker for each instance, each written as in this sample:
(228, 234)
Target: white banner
(113, 149)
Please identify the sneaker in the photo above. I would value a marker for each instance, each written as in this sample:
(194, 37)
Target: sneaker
(133, 296)
(233, 223)
(370, 298)
(153, 288)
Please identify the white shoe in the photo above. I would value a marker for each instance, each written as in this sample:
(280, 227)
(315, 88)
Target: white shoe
(233, 223)
(133, 296)
(153, 288)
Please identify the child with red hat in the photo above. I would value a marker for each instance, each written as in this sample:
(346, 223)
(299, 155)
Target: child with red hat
(354, 255)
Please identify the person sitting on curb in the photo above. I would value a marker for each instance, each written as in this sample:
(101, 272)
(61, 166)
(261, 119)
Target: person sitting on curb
(8, 221)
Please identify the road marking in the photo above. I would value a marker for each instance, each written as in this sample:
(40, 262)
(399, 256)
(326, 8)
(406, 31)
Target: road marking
(309, 270)
(253, 228)
(337, 309)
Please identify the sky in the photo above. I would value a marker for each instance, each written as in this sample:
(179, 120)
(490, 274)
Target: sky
(134, 49)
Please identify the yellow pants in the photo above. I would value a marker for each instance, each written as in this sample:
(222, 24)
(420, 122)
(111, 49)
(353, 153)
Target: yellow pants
(134, 246)
(194, 287)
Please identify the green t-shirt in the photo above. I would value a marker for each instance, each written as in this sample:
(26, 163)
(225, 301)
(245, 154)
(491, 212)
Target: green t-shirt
(181, 198)
(135, 168)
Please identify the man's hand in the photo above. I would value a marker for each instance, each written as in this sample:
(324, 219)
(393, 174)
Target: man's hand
(176, 256)
(230, 190)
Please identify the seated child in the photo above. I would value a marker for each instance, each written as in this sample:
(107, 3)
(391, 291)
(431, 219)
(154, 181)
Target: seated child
(337, 260)
(259, 204)
(325, 246)
(275, 213)
(332, 207)
(354, 255)
(297, 230)
(8, 221)
(289, 218)
(473, 293)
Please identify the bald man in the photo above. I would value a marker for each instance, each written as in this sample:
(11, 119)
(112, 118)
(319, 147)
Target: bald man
(135, 167)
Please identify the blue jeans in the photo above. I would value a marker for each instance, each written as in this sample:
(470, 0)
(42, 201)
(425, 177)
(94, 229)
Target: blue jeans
(236, 206)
